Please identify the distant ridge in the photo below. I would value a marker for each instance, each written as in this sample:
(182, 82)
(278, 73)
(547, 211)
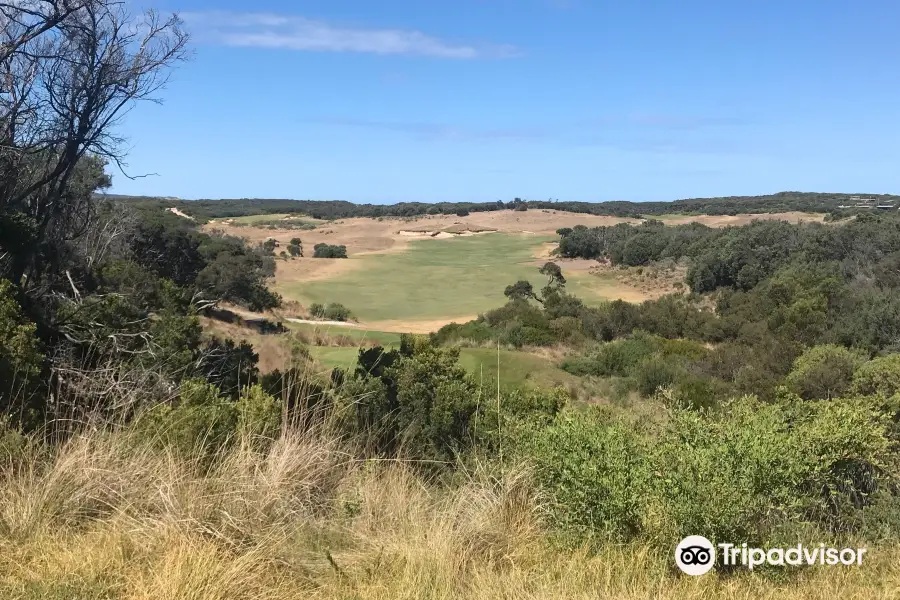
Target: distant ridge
(813, 202)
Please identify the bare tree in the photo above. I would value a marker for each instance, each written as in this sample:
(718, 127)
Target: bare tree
(24, 21)
(69, 71)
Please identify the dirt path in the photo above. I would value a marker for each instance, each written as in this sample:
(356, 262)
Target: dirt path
(314, 322)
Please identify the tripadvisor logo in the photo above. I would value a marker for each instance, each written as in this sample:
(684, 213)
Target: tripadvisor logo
(696, 555)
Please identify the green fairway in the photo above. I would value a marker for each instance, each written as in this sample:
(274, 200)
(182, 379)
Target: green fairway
(516, 368)
(331, 358)
(382, 338)
(433, 279)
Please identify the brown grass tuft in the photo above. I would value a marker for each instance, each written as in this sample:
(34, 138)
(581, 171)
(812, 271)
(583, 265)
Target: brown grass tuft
(107, 515)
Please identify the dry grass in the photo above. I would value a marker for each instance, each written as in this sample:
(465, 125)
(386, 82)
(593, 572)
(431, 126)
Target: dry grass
(275, 351)
(107, 516)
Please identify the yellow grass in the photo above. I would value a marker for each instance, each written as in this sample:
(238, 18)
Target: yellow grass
(106, 516)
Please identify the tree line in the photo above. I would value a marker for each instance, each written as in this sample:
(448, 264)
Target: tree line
(205, 210)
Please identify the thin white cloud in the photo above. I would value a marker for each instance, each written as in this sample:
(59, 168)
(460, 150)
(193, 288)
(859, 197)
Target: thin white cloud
(289, 32)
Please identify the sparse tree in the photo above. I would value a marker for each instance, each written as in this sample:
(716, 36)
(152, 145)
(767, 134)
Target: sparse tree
(521, 290)
(554, 273)
(69, 71)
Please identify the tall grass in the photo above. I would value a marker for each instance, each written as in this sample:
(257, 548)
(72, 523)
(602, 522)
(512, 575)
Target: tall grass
(108, 514)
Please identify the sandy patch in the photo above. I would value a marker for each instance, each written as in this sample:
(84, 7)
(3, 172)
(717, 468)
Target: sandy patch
(544, 251)
(743, 219)
(426, 326)
(175, 211)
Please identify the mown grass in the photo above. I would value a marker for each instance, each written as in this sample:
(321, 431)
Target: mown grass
(335, 357)
(516, 368)
(381, 338)
(450, 278)
(433, 279)
(109, 515)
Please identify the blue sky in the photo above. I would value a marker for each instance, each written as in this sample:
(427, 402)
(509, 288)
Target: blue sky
(475, 100)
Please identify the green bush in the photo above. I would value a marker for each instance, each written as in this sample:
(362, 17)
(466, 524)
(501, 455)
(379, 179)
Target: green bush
(336, 312)
(317, 310)
(824, 371)
(329, 251)
(200, 419)
(596, 475)
(20, 356)
(655, 373)
(621, 358)
(880, 376)
(698, 392)
(523, 413)
(745, 474)
(476, 331)
(580, 366)
(258, 414)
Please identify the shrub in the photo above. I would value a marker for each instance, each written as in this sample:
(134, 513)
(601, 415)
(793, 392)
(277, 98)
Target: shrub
(337, 312)
(880, 376)
(655, 373)
(622, 357)
(746, 474)
(740, 474)
(317, 310)
(200, 419)
(258, 414)
(824, 371)
(329, 251)
(476, 331)
(641, 249)
(20, 356)
(697, 392)
(596, 475)
(517, 335)
(567, 329)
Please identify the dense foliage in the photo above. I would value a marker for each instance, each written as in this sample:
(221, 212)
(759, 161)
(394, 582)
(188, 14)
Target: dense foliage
(329, 251)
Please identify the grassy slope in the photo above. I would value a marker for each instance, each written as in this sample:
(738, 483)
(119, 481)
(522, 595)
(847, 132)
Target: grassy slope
(439, 279)
(516, 368)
